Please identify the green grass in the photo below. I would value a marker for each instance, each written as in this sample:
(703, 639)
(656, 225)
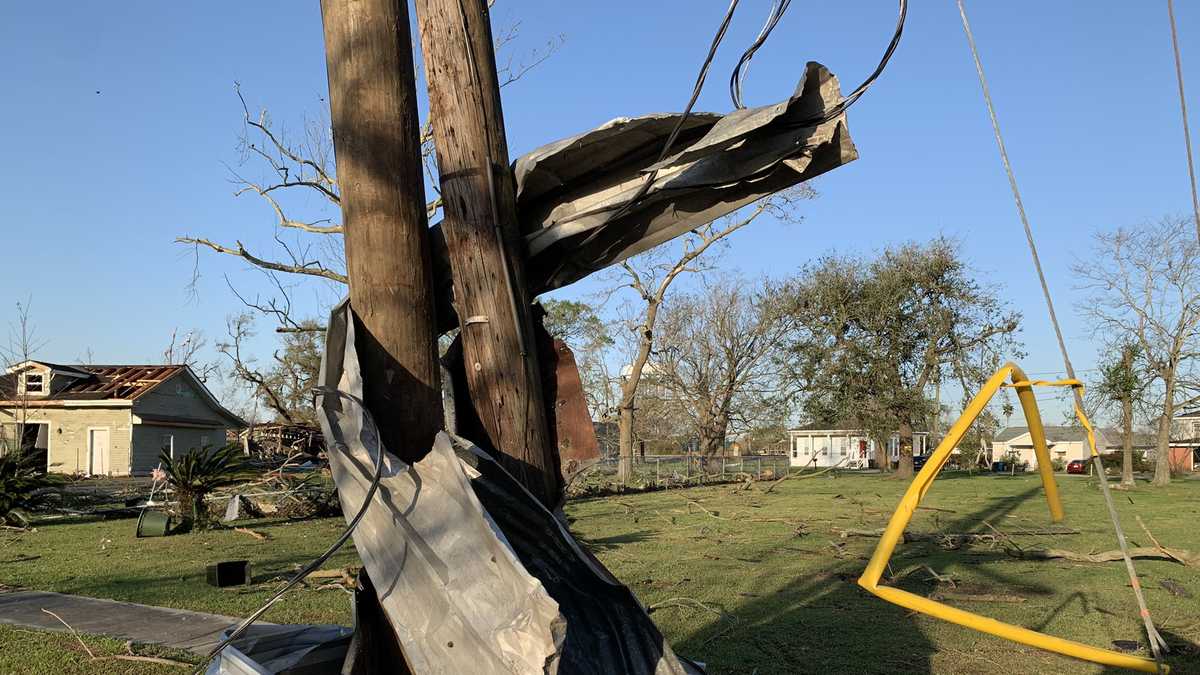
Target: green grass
(776, 581)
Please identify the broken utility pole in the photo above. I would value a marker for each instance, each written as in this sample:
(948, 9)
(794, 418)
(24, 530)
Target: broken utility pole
(372, 95)
(373, 109)
(484, 242)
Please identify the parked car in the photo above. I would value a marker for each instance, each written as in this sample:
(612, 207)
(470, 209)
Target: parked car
(1078, 466)
(919, 461)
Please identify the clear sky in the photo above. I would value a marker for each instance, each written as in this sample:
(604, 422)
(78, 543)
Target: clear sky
(120, 120)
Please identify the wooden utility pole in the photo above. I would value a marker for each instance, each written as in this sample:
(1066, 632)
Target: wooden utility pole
(483, 239)
(373, 107)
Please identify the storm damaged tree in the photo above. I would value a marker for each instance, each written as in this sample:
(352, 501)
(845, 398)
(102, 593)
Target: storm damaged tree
(713, 356)
(1144, 288)
(284, 384)
(291, 172)
(650, 276)
(872, 336)
(1121, 383)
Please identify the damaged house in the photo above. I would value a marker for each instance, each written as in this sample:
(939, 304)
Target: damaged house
(110, 420)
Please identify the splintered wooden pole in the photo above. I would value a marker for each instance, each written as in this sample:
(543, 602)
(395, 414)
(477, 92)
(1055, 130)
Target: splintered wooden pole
(483, 240)
(372, 99)
(373, 107)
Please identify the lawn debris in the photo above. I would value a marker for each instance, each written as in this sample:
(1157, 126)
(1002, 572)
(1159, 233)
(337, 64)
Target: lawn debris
(1175, 588)
(1141, 552)
(1128, 646)
(976, 597)
(257, 535)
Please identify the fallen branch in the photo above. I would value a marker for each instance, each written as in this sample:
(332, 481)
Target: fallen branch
(83, 644)
(800, 476)
(257, 535)
(1154, 541)
(1142, 553)
(980, 597)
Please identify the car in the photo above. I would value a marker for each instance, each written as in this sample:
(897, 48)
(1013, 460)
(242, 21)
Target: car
(1079, 466)
(919, 461)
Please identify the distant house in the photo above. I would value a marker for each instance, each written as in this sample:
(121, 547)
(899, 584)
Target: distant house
(1065, 443)
(1185, 441)
(108, 420)
(820, 446)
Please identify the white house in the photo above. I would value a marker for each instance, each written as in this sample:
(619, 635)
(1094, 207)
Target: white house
(814, 446)
(1064, 443)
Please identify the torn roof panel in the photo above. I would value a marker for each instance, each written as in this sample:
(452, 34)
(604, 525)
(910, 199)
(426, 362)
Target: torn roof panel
(573, 195)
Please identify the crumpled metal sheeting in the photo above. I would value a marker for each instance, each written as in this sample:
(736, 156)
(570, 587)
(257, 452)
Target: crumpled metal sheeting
(461, 553)
(456, 596)
(573, 195)
(607, 629)
(266, 650)
(569, 192)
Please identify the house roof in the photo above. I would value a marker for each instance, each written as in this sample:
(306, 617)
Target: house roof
(100, 382)
(841, 426)
(109, 383)
(1054, 434)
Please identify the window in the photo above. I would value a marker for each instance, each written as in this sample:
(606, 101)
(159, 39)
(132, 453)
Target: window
(1195, 429)
(805, 443)
(204, 442)
(168, 445)
(839, 444)
(34, 383)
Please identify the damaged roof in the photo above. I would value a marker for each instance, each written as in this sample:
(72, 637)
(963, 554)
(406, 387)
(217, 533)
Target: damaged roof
(98, 382)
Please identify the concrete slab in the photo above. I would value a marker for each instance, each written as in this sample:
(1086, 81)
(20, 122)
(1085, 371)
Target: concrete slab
(194, 631)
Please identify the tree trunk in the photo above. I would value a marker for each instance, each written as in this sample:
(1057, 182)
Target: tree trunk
(905, 467)
(882, 461)
(483, 240)
(1127, 442)
(625, 461)
(1162, 453)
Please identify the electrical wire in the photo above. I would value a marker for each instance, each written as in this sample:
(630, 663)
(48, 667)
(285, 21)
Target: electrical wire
(687, 111)
(743, 65)
(1187, 134)
(1157, 644)
(321, 559)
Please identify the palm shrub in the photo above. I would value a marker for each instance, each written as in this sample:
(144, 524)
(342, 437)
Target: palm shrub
(196, 473)
(24, 485)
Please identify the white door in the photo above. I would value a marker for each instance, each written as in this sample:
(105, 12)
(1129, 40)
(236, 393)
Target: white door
(98, 452)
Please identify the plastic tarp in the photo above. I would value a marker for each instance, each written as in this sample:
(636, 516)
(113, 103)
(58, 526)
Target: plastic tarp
(473, 573)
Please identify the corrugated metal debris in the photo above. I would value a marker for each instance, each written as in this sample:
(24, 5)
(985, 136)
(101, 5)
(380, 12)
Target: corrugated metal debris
(573, 195)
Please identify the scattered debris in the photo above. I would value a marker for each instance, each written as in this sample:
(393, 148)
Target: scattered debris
(1175, 588)
(257, 535)
(1128, 646)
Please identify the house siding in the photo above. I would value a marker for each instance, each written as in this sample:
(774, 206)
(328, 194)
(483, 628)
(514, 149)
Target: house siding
(68, 451)
(178, 397)
(148, 442)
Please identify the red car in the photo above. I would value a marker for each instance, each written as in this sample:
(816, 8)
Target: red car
(1078, 466)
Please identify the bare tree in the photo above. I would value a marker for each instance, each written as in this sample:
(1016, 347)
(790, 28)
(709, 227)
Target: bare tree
(23, 344)
(185, 350)
(650, 276)
(285, 386)
(713, 357)
(307, 239)
(1144, 288)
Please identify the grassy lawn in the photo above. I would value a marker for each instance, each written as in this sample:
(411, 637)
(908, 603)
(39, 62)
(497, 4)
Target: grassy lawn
(775, 580)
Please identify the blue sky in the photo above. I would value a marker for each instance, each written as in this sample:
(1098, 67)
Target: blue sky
(121, 120)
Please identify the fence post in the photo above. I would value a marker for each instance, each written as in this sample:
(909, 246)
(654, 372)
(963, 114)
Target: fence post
(658, 471)
(722, 468)
(759, 474)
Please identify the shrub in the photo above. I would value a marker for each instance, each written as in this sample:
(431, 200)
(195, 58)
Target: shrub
(199, 471)
(1058, 465)
(24, 485)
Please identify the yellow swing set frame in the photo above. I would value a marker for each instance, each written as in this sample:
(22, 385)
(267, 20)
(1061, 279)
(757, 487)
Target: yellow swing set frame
(894, 532)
